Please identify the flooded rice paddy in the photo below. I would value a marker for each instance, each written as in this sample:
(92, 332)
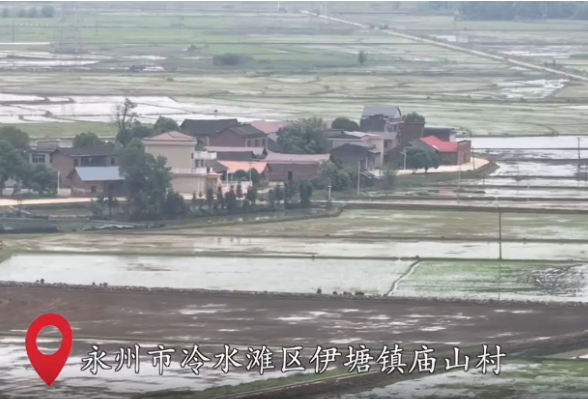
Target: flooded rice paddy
(555, 379)
(245, 274)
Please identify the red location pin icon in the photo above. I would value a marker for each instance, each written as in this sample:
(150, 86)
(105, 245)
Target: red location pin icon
(48, 366)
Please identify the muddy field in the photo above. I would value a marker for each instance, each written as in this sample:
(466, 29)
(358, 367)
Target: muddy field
(111, 320)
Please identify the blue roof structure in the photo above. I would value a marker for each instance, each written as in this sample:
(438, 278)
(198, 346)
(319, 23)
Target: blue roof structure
(94, 174)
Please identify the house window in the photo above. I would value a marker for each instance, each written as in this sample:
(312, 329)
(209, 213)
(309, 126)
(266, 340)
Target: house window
(93, 189)
(112, 161)
(38, 158)
(290, 176)
(255, 143)
(76, 162)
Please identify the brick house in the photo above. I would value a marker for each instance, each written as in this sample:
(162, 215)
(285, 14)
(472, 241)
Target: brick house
(96, 181)
(444, 133)
(239, 136)
(296, 167)
(363, 140)
(65, 159)
(410, 132)
(451, 153)
(356, 153)
(203, 129)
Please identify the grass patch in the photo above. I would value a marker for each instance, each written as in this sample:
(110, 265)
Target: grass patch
(224, 391)
(67, 130)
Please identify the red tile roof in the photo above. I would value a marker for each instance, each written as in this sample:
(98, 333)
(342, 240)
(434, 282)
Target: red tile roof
(171, 136)
(268, 127)
(440, 145)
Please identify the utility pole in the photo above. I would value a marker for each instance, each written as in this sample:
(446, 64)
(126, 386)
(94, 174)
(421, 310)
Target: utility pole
(358, 175)
(499, 233)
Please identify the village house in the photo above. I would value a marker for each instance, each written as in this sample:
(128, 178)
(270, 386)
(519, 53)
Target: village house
(224, 153)
(356, 155)
(42, 152)
(369, 145)
(451, 153)
(96, 181)
(65, 159)
(268, 127)
(239, 136)
(294, 167)
(444, 133)
(380, 118)
(203, 129)
(191, 169)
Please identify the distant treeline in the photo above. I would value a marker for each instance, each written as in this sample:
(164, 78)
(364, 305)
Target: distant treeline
(508, 10)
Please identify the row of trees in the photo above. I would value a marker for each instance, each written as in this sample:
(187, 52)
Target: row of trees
(129, 127)
(46, 11)
(508, 10)
(14, 164)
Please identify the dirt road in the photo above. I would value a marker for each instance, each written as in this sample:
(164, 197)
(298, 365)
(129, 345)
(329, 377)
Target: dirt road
(454, 47)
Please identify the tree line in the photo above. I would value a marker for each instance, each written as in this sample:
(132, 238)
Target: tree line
(15, 164)
(509, 10)
(46, 11)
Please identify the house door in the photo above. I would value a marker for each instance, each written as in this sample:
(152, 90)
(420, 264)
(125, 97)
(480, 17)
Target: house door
(290, 176)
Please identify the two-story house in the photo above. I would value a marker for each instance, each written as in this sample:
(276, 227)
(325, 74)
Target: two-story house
(204, 129)
(191, 169)
(240, 136)
(64, 160)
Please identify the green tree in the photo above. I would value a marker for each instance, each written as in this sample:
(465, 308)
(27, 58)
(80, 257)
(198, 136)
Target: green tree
(220, 198)
(39, 179)
(231, 200)
(255, 176)
(33, 12)
(174, 205)
(164, 124)
(137, 131)
(331, 174)
(12, 164)
(304, 136)
(87, 139)
(22, 13)
(47, 11)
(124, 116)
(305, 193)
(239, 191)
(417, 158)
(413, 118)
(18, 138)
(209, 197)
(362, 57)
(278, 194)
(388, 177)
(251, 194)
(271, 198)
(147, 180)
(345, 124)
(290, 191)
(5, 13)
